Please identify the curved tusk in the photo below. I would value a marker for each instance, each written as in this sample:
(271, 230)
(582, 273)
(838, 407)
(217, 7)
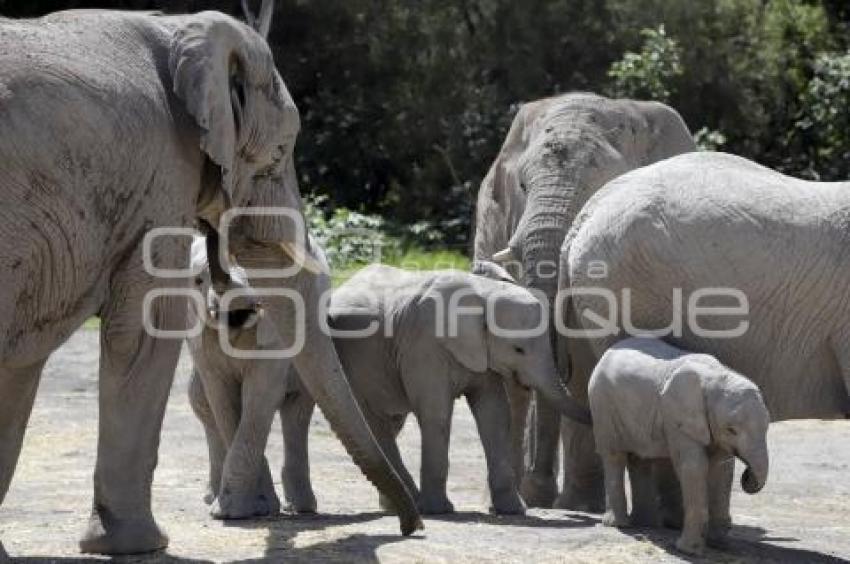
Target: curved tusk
(302, 258)
(505, 255)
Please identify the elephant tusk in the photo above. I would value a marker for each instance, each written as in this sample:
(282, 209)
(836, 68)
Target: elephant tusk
(301, 257)
(505, 255)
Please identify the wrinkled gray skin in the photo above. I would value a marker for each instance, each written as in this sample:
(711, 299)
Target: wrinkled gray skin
(236, 399)
(111, 124)
(418, 370)
(652, 401)
(559, 152)
(711, 220)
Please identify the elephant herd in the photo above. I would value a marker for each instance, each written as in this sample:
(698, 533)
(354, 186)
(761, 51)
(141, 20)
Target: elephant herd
(682, 299)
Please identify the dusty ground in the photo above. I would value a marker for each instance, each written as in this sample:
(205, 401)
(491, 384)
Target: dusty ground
(801, 516)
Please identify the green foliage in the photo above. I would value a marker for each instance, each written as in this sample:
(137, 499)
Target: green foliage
(648, 75)
(404, 104)
(349, 237)
(709, 139)
(352, 240)
(824, 123)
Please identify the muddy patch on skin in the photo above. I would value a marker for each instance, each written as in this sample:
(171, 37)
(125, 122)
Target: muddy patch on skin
(800, 516)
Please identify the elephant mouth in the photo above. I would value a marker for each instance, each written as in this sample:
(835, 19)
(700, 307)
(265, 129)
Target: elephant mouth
(518, 382)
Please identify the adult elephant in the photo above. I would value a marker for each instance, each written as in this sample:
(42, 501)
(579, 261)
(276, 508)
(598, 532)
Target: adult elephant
(113, 124)
(704, 231)
(560, 151)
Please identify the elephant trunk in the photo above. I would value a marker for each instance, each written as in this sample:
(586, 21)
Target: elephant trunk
(538, 238)
(322, 374)
(755, 476)
(547, 383)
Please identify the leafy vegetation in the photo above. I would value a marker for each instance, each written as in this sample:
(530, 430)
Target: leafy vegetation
(648, 75)
(352, 240)
(405, 103)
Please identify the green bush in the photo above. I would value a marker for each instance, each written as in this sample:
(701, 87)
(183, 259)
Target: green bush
(352, 240)
(823, 127)
(649, 74)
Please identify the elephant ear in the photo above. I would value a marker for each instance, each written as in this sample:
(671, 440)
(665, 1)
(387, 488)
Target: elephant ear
(683, 403)
(209, 61)
(455, 312)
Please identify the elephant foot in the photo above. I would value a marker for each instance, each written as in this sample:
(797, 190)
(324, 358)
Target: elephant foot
(508, 504)
(538, 491)
(610, 519)
(108, 535)
(672, 517)
(301, 504)
(648, 519)
(718, 532)
(588, 499)
(695, 546)
(435, 505)
(241, 506)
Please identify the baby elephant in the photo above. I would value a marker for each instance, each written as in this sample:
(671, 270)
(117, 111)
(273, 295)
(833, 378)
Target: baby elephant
(650, 400)
(236, 400)
(416, 341)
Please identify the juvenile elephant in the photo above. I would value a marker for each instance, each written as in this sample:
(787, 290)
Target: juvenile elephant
(236, 400)
(650, 401)
(558, 153)
(112, 126)
(704, 231)
(433, 337)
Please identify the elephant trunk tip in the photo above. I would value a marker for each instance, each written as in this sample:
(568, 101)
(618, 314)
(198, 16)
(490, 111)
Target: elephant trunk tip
(749, 482)
(410, 526)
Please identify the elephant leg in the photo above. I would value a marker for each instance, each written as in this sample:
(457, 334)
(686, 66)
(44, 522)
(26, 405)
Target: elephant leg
(669, 494)
(539, 485)
(644, 495)
(295, 415)
(386, 430)
(583, 484)
(17, 388)
(519, 399)
(489, 405)
(215, 445)
(721, 474)
(616, 509)
(583, 477)
(692, 469)
(841, 349)
(435, 424)
(247, 489)
(136, 373)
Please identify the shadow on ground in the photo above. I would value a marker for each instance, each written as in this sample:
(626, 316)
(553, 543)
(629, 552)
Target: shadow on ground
(282, 530)
(363, 548)
(743, 541)
(154, 557)
(572, 521)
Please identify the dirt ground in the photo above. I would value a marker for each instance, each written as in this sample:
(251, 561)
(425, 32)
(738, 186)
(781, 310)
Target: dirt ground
(801, 516)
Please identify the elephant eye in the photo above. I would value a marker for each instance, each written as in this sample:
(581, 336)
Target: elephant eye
(518, 350)
(731, 431)
(523, 187)
(199, 280)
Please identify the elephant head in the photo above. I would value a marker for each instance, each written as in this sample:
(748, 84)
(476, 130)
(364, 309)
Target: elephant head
(714, 405)
(501, 327)
(558, 152)
(224, 73)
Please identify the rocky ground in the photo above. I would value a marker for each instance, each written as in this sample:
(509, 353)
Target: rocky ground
(801, 516)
